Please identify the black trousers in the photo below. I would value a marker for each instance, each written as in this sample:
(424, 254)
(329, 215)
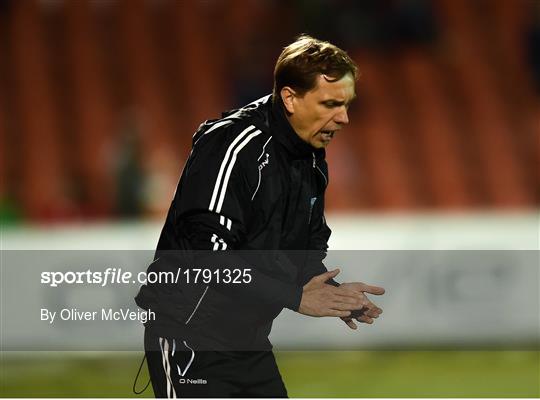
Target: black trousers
(178, 369)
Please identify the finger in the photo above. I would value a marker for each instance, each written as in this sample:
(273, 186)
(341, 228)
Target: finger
(365, 311)
(372, 314)
(350, 323)
(365, 319)
(378, 310)
(373, 308)
(327, 275)
(376, 290)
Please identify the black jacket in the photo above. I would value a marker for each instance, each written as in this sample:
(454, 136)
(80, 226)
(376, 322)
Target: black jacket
(249, 184)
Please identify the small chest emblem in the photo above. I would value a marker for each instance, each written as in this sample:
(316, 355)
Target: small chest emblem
(311, 204)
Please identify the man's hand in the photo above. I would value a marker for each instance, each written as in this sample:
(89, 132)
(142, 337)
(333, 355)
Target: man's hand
(322, 300)
(369, 312)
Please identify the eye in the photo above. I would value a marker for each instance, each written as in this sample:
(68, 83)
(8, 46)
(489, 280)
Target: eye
(330, 104)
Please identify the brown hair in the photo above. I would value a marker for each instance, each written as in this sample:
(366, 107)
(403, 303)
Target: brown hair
(302, 61)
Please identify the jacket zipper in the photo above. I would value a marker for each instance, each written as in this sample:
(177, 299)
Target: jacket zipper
(316, 167)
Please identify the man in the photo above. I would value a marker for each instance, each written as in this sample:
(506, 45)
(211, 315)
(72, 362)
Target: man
(254, 181)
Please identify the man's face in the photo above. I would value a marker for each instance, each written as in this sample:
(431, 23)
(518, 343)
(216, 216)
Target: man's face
(321, 112)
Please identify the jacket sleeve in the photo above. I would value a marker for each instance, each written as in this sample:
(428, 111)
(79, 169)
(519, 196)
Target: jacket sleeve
(213, 211)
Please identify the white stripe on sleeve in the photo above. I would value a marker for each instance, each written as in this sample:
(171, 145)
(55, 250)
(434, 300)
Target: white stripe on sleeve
(230, 167)
(214, 240)
(224, 165)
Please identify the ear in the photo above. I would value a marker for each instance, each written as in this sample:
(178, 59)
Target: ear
(287, 96)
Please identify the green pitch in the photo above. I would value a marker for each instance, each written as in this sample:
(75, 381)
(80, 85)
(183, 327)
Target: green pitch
(306, 374)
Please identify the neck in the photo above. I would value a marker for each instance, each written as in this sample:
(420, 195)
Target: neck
(292, 122)
(293, 125)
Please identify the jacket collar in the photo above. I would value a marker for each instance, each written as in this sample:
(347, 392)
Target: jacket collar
(289, 139)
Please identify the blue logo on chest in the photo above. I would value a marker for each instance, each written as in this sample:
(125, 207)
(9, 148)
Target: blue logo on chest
(312, 203)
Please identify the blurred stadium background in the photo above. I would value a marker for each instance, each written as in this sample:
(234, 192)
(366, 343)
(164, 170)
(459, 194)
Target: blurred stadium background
(99, 100)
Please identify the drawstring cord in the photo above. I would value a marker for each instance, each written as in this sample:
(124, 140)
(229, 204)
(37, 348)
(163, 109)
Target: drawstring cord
(137, 378)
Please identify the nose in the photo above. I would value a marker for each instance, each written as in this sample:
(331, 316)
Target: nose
(342, 117)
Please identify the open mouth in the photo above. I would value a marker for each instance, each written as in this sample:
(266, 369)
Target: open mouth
(327, 135)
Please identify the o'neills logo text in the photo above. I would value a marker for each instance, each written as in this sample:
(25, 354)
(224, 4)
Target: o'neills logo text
(199, 381)
(265, 162)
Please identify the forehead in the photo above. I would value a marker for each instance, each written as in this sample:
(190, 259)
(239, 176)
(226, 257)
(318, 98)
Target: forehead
(341, 90)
